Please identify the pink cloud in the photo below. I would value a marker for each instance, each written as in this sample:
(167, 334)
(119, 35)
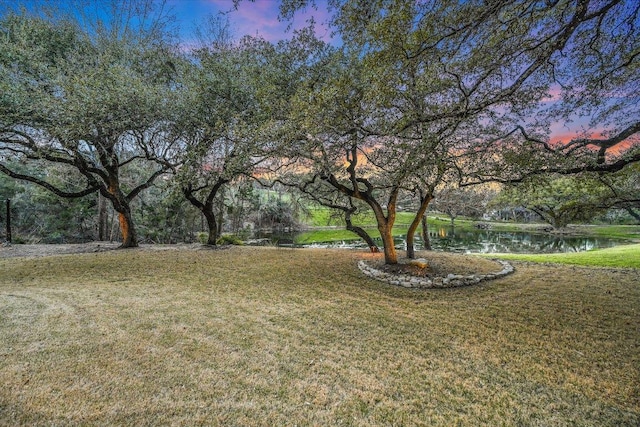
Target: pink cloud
(555, 94)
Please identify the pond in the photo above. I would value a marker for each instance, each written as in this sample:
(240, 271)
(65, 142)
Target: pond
(488, 241)
(483, 241)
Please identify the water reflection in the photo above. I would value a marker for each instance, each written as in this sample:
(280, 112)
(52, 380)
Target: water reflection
(488, 241)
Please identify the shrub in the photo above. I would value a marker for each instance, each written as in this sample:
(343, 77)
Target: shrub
(229, 239)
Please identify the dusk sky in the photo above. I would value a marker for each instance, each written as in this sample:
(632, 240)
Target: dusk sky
(259, 18)
(255, 18)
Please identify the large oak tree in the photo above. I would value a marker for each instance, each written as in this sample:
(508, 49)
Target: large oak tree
(98, 101)
(463, 91)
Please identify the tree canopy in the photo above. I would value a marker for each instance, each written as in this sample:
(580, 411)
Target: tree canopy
(97, 102)
(417, 97)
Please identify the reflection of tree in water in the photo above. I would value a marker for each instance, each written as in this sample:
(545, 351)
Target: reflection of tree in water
(483, 241)
(490, 242)
(487, 241)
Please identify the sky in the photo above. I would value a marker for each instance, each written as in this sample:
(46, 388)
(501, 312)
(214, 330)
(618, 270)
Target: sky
(260, 18)
(254, 18)
(257, 18)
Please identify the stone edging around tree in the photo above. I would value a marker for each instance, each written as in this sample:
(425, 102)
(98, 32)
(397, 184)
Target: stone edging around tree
(451, 281)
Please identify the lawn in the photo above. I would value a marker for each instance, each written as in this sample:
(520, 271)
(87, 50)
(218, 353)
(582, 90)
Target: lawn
(269, 336)
(625, 256)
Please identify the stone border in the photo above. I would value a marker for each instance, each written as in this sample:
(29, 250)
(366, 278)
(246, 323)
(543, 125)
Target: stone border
(451, 281)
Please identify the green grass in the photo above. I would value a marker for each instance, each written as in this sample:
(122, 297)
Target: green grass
(366, 221)
(625, 256)
(339, 234)
(333, 235)
(612, 231)
(267, 336)
(320, 217)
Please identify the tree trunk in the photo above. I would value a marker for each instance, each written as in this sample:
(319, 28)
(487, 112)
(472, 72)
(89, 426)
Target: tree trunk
(385, 223)
(129, 236)
(426, 241)
(411, 251)
(424, 203)
(364, 236)
(360, 232)
(385, 227)
(121, 204)
(212, 226)
(102, 218)
(207, 209)
(390, 254)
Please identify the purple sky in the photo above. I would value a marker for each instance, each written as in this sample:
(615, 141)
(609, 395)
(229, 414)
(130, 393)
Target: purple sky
(255, 18)
(258, 18)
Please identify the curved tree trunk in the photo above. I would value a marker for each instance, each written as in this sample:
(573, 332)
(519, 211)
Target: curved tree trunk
(426, 241)
(364, 236)
(424, 203)
(206, 207)
(360, 231)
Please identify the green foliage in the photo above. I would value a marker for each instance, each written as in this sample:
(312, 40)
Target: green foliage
(97, 103)
(40, 216)
(276, 213)
(229, 239)
(419, 96)
(559, 200)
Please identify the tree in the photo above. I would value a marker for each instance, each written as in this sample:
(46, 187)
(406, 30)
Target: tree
(559, 200)
(38, 215)
(313, 190)
(590, 77)
(460, 201)
(98, 102)
(444, 89)
(328, 147)
(235, 91)
(623, 190)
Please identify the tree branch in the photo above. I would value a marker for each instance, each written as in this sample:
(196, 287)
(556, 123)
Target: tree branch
(58, 192)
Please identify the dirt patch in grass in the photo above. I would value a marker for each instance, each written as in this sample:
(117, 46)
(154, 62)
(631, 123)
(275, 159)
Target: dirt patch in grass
(43, 250)
(440, 264)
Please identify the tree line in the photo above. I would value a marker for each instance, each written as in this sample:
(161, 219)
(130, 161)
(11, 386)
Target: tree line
(417, 99)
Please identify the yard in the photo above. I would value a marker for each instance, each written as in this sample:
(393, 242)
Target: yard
(268, 336)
